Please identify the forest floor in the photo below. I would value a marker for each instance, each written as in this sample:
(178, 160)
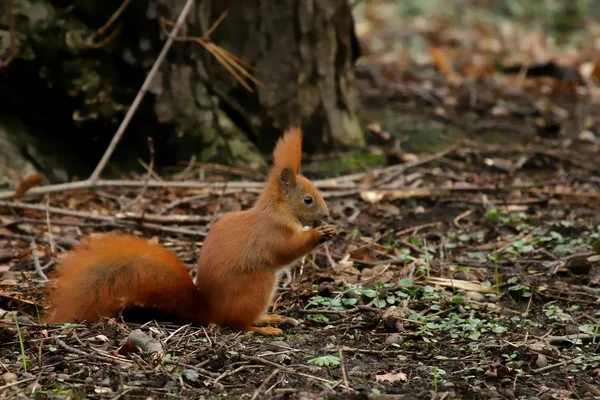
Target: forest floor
(468, 271)
(469, 282)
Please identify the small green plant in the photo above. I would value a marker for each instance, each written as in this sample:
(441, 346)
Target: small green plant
(516, 286)
(438, 377)
(21, 344)
(326, 361)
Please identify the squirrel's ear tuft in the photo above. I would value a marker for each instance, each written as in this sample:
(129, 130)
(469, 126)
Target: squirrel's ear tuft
(287, 178)
(288, 151)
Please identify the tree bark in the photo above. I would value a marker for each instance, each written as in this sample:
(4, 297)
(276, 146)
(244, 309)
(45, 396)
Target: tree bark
(303, 51)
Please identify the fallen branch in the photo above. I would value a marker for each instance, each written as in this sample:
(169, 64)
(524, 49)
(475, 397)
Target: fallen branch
(165, 219)
(87, 185)
(150, 346)
(105, 218)
(569, 338)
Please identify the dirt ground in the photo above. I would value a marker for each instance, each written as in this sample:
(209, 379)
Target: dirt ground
(470, 270)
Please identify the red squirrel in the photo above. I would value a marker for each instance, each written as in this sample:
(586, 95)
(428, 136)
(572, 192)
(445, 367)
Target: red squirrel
(240, 260)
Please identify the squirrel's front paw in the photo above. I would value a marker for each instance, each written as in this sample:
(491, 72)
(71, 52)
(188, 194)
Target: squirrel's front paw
(326, 232)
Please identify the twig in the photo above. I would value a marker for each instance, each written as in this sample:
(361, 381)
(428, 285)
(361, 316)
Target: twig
(551, 366)
(216, 24)
(147, 344)
(178, 219)
(569, 338)
(89, 355)
(138, 99)
(343, 368)
(87, 184)
(460, 216)
(112, 220)
(181, 200)
(49, 227)
(110, 21)
(36, 260)
(264, 383)
(148, 175)
(285, 369)
(233, 372)
(228, 60)
(15, 383)
(66, 241)
(218, 207)
(330, 259)
(196, 368)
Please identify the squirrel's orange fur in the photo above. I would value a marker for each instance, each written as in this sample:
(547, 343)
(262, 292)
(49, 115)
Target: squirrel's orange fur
(237, 271)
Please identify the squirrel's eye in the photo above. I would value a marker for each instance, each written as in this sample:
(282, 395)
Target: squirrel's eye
(308, 200)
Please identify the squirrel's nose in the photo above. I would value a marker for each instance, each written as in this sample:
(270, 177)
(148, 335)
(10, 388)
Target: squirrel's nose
(326, 217)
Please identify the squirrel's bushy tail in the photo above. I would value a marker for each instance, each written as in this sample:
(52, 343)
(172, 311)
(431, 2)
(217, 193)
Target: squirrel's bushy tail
(105, 275)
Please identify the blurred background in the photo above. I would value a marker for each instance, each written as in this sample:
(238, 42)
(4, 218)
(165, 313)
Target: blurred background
(371, 82)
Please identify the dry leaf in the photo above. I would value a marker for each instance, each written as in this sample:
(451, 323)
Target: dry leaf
(464, 285)
(392, 377)
(28, 183)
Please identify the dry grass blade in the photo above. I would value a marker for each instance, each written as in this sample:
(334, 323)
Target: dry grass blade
(228, 60)
(226, 56)
(225, 63)
(216, 23)
(110, 22)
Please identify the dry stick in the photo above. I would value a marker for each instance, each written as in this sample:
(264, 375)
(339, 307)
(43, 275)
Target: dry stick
(216, 24)
(552, 366)
(48, 226)
(87, 184)
(343, 367)
(16, 383)
(148, 175)
(138, 99)
(262, 385)
(147, 344)
(36, 260)
(285, 369)
(90, 355)
(105, 218)
(569, 338)
(198, 368)
(110, 21)
(344, 182)
(178, 219)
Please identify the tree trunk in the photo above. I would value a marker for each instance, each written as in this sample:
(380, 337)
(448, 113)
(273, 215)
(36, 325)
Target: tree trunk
(303, 52)
(72, 81)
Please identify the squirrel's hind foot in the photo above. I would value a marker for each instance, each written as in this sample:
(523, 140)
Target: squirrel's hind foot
(276, 319)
